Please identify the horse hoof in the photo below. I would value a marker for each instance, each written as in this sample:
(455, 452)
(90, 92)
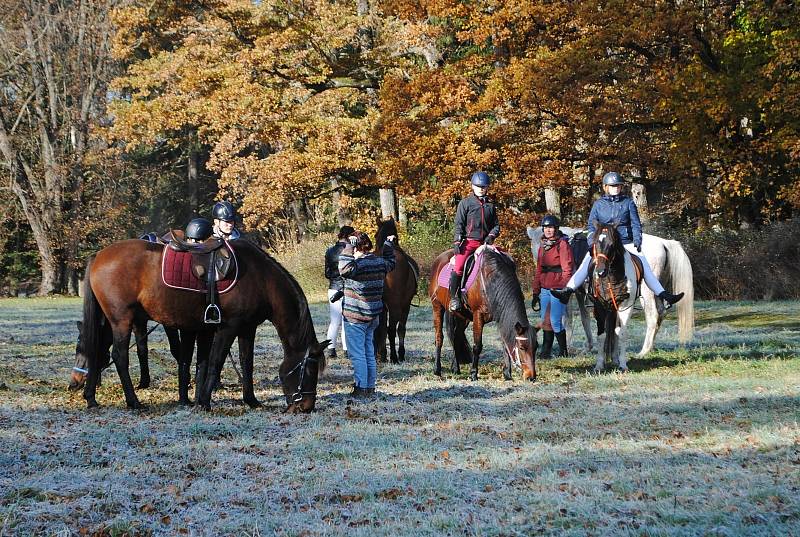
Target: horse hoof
(473, 377)
(253, 403)
(597, 371)
(136, 405)
(531, 379)
(438, 373)
(92, 404)
(185, 402)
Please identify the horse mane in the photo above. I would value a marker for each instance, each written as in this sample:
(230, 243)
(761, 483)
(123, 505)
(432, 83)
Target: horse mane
(385, 228)
(503, 293)
(305, 327)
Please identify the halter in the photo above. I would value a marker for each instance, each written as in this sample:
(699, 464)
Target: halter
(515, 355)
(297, 396)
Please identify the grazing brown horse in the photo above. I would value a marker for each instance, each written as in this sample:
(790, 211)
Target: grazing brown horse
(399, 289)
(123, 286)
(496, 295)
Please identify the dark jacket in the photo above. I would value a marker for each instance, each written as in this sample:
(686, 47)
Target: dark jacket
(363, 282)
(619, 210)
(553, 266)
(476, 219)
(335, 281)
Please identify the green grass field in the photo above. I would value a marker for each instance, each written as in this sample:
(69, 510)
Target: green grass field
(702, 440)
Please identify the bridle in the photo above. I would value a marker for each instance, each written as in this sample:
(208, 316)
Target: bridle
(600, 255)
(515, 355)
(297, 396)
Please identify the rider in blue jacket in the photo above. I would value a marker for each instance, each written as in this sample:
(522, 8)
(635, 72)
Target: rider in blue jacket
(617, 208)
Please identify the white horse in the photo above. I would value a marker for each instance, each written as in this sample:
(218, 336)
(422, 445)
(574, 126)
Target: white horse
(669, 263)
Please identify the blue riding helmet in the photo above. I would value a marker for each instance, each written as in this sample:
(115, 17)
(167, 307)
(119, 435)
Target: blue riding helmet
(550, 221)
(199, 229)
(481, 179)
(612, 178)
(223, 210)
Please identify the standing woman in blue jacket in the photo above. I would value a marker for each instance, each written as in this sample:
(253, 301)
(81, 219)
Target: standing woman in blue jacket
(617, 208)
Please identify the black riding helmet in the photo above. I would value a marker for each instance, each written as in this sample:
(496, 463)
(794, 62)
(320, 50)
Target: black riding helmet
(199, 229)
(223, 210)
(550, 221)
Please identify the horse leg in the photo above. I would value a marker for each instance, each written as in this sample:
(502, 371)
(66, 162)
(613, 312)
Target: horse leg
(122, 339)
(392, 329)
(379, 337)
(140, 333)
(185, 351)
(223, 339)
(204, 341)
(401, 334)
(438, 315)
(174, 339)
(600, 319)
(621, 349)
(477, 347)
(585, 320)
(653, 316)
(247, 339)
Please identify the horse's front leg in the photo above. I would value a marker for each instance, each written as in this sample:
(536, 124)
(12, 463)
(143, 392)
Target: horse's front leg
(185, 352)
(140, 333)
(401, 334)
(392, 330)
(477, 347)
(247, 339)
(438, 315)
(223, 339)
(621, 349)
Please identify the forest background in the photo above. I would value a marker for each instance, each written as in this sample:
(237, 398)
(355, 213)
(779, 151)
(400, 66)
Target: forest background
(119, 117)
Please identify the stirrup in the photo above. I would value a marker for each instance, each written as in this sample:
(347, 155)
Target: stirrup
(454, 302)
(212, 314)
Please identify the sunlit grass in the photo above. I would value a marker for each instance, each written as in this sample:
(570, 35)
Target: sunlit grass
(697, 440)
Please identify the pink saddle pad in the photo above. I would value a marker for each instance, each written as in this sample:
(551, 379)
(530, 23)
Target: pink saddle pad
(444, 274)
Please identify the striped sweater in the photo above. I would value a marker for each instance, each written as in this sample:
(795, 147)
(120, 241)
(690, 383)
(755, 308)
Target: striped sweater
(363, 282)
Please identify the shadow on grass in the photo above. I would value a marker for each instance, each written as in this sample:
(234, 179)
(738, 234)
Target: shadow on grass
(749, 320)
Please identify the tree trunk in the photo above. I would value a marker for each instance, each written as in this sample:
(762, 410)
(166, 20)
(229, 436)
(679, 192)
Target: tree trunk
(193, 178)
(402, 217)
(552, 201)
(388, 206)
(300, 219)
(343, 217)
(639, 196)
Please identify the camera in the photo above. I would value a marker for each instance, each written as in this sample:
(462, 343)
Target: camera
(337, 296)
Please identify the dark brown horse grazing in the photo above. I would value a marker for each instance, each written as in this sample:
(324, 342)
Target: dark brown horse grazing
(399, 289)
(495, 296)
(123, 286)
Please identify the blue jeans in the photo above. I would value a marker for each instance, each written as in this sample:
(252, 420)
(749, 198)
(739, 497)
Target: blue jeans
(361, 350)
(556, 309)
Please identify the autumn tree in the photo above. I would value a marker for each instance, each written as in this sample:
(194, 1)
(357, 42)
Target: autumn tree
(53, 72)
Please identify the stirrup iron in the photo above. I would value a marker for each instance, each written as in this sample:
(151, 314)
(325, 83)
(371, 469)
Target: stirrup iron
(212, 315)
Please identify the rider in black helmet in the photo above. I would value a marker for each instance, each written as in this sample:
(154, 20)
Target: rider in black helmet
(198, 230)
(225, 221)
(617, 208)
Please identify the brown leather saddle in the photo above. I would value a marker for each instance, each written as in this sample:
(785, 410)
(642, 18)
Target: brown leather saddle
(212, 261)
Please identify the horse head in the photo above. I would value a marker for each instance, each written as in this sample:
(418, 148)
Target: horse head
(80, 370)
(525, 345)
(300, 381)
(608, 249)
(386, 227)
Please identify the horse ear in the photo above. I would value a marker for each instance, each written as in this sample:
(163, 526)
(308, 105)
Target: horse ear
(520, 329)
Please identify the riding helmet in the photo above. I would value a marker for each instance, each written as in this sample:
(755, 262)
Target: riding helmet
(612, 178)
(481, 179)
(550, 221)
(223, 210)
(199, 229)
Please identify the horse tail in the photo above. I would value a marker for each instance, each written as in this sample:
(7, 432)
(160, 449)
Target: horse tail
(458, 340)
(93, 324)
(680, 272)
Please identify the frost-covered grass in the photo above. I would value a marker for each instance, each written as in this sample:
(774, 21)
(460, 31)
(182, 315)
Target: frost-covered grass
(701, 440)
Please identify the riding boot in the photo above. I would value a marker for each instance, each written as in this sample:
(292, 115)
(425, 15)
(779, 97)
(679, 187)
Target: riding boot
(562, 294)
(669, 299)
(455, 300)
(547, 345)
(561, 337)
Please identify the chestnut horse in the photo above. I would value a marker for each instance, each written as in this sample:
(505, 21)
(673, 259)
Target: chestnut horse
(399, 289)
(123, 286)
(496, 295)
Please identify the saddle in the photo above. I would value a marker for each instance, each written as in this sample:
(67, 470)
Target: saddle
(211, 262)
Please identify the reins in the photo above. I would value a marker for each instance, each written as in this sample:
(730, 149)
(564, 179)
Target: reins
(297, 396)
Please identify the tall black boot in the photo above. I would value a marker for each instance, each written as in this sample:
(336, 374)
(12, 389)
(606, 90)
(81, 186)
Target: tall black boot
(562, 294)
(561, 337)
(547, 345)
(455, 283)
(669, 299)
